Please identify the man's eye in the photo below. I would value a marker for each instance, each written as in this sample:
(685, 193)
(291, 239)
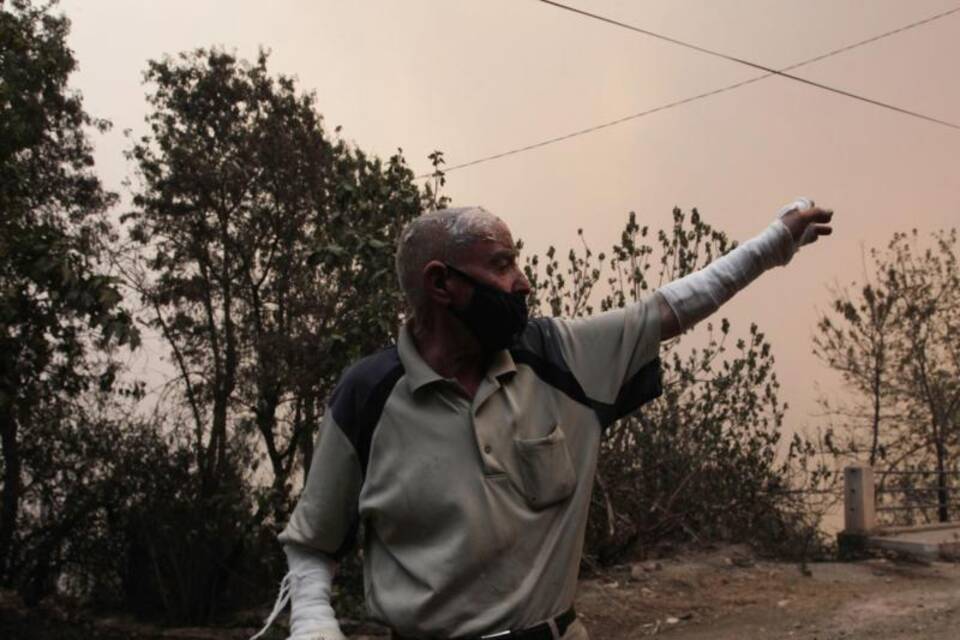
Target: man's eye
(504, 263)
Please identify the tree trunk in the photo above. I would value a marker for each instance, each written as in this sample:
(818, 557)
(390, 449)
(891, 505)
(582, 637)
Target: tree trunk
(12, 488)
(943, 494)
(309, 433)
(875, 445)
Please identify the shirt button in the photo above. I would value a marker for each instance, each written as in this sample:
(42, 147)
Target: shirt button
(487, 449)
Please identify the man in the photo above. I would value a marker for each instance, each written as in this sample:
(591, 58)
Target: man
(469, 449)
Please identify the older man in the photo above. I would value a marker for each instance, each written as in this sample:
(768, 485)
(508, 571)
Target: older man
(469, 448)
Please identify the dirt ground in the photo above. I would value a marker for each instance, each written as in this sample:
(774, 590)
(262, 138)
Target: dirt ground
(722, 594)
(727, 594)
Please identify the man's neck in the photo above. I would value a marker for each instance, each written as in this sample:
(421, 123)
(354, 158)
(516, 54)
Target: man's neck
(452, 352)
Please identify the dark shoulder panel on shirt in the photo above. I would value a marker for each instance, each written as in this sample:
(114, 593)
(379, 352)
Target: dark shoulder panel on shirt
(358, 400)
(539, 347)
(644, 386)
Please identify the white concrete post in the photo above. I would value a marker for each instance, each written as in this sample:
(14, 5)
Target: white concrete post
(860, 512)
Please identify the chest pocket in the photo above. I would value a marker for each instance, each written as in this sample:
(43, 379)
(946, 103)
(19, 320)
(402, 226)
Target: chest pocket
(546, 472)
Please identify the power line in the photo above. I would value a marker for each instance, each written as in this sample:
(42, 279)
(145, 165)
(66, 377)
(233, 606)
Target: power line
(755, 65)
(700, 96)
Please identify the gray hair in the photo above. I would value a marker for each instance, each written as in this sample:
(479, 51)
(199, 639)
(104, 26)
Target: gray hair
(438, 235)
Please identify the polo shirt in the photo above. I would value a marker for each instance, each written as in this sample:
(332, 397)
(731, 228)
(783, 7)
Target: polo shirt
(474, 510)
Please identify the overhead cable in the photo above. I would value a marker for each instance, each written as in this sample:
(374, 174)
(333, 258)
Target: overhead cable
(755, 65)
(694, 98)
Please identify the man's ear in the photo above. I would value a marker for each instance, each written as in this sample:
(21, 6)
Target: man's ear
(434, 282)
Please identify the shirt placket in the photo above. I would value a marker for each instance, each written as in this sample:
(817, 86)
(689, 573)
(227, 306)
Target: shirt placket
(485, 423)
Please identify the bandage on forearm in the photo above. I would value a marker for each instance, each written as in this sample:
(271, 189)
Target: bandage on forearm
(307, 588)
(697, 295)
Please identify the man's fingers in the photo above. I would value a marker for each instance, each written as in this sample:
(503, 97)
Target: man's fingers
(814, 231)
(816, 214)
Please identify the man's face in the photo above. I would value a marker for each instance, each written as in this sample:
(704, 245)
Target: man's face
(493, 260)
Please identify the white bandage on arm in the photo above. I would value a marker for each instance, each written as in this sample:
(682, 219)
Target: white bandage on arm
(307, 587)
(699, 294)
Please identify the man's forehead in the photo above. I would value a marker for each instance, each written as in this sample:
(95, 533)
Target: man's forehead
(498, 240)
(496, 245)
(500, 233)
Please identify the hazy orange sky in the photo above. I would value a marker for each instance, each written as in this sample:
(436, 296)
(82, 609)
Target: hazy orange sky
(473, 78)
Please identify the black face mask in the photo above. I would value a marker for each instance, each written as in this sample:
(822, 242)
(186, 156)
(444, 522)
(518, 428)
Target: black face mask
(493, 316)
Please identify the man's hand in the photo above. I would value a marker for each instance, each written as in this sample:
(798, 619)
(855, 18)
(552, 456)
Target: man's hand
(307, 588)
(807, 223)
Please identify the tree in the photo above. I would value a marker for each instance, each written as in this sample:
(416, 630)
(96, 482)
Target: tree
(267, 241)
(863, 354)
(60, 311)
(265, 259)
(896, 342)
(701, 461)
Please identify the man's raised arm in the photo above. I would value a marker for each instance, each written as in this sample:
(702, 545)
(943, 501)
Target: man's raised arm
(684, 302)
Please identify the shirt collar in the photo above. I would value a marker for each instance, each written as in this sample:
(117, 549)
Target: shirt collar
(502, 363)
(419, 373)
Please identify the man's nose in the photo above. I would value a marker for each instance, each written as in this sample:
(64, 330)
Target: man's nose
(521, 284)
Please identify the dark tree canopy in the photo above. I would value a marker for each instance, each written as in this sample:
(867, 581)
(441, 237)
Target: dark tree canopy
(269, 248)
(264, 257)
(58, 307)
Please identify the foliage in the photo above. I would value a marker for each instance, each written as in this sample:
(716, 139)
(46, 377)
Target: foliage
(120, 527)
(433, 197)
(170, 545)
(895, 340)
(701, 461)
(59, 309)
(263, 252)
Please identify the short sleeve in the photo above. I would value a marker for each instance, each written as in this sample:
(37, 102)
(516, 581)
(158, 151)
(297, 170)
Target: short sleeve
(325, 518)
(614, 356)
